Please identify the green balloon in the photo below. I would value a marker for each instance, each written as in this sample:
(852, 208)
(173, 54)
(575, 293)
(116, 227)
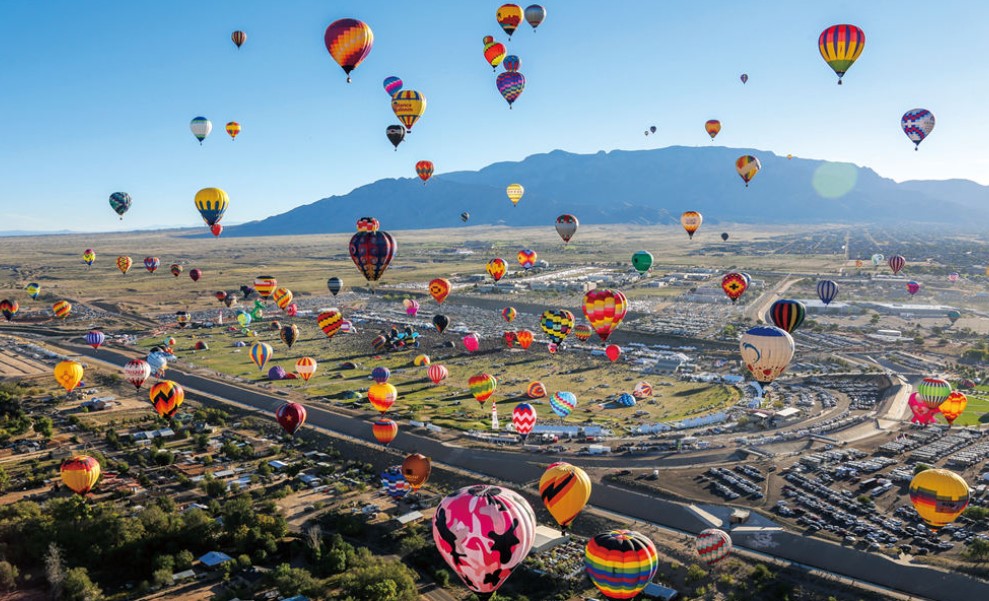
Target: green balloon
(642, 261)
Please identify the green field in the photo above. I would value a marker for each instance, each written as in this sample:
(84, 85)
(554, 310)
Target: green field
(977, 411)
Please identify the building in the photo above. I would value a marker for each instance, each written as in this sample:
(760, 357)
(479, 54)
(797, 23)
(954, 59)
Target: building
(816, 307)
(546, 539)
(408, 518)
(214, 559)
(658, 591)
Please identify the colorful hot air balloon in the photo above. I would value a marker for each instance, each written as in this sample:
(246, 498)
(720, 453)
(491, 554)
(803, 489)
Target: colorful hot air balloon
(896, 263)
(408, 106)
(265, 286)
(80, 473)
(557, 324)
(291, 417)
(566, 227)
(583, 332)
(535, 390)
(68, 374)
(62, 309)
(642, 390)
(766, 352)
(922, 414)
(917, 124)
(939, 496)
(691, 222)
(712, 127)
(89, 257)
(415, 469)
(137, 372)
(483, 533)
(712, 545)
(120, 202)
(238, 37)
(9, 308)
(380, 374)
(212, 203)
(33, 290)
(282, 297)
(508, 314)
(954, 316)
(605, 309)
(289, 334)
(233, 128)
(515, 193)
(441, 322)
(524, 419)
(509, 16)
(424, 169)
(512, 63)
(563, 403)
(482, 386)
(511, 84)
(747, 166)
(734, 285)
(440, 288)
(840, 46)
(534, 15)
(788, 314)
(124, 264)
(933, 391)
(497, 268)
(494, 52)
(395, 135)
(175, 269)
(382, 396)
(913, 287)
(394, 483)
(334, 285)
(437, 373)
(95, 339)
(372, 252)
(216, 229)
(411, 307)
(348, 41)
(620, 563)
(527, 258)
(827, 290)
(166, 398)
(565, 490)
(524, 338)
(953, 406)
(642, 261)
(201, 127)
(306, 367)
(392, 85)
(384, 431)
(261, 352)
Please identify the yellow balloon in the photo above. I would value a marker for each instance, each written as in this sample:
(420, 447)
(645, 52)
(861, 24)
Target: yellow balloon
(939, 496)
(515, 192)
(408, 106)
(69, 374)
(212, 203)
(565, 490)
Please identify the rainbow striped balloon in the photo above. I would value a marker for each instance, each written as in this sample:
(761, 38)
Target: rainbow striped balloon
(713, 545)
(563, 403)
(620, 563)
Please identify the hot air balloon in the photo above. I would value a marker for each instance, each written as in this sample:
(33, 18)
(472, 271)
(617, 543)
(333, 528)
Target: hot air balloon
(494, 52)
(233, 128)
(238, 37)
(712, 127)
(523, 419)
(265, 286)
(744, 77)
(954, 316)
(917, 124)
(913, 287)
(384, 431)
(441, 322)
(509, 16)
(642, 261)
(953, 406)
(212, 203)
(137, 372)
(605, 309)
(734, 285)
(68, 374)
(613, 352)
(896, 263)
(620, 563)
(291, 417)
(408, 106)
(33, 290)
(124, 264)
(840, 46)
(282, 297)
(515, 193)
(827, 290)
(471, 342)
(922, 414)
(464, 216)
(392, 85)
(712, 545)
(566, 227)
(196, 274)
(289, 334)
(89, 257)
(394, 483)
(933, 391)
(120, 202)
(512, 63)
(583, 332)
(166, 398)
(424, 169)
(437, 373)
(511, 84)
(95, 339)
(691, 222)
(563, 403)
(261, 352)
(305, 367)
(216, 229)
(348, 41)
(527, 258)
(939, 496)
(565, 490)
(534, 15)
(395, 134)
(557, 324)
(953, 277)
(535, 390)
(787, 314)
(80, 473)
(766, 352)
(508, 314)
(175, 269)
(182, 318)
(380, 374)
(524, 338)
(483, 533)
(415, 469)
(642, 390)
(372, 252)
(411, 307)
(497, 268)
(747, 166)
(9, 308)
(201, 127)
(877, 259)
(482, 386)
(382, 396)
(62, 309)
(439, 288)
(334, 285)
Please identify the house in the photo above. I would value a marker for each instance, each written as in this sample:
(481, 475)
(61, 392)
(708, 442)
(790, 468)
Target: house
(183, 575)
(658, 591)
(214, 559)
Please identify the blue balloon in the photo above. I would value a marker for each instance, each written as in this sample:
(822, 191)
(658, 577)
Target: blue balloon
(827, 290)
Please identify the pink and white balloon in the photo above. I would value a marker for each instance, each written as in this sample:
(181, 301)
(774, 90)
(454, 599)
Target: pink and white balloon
(472, 342)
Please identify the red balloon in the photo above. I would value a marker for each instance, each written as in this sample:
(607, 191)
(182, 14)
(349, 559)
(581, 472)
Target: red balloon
(613, 351)
(216, 229)
(291, 416)
(384, 430)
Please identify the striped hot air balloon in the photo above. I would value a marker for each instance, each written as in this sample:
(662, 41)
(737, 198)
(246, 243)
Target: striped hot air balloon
(384, 431)
(827, 291)
(80, 473)
(713, 545)
(382, 396)
(620, 563)
(939, 496)
(563, 403)
(9, 308)
(349, 42)
(605, 309)
(896, 263)
(840, 47)
(482, 386)
(62, 309)
(515, 193)
(437, 373)
(265, 286)
(933, 391)
(330, 321)
(642, 390)
(565, 490)
(261, 352)
(524, 419)
(712, 127)
(166, 398)
(787, 314)
(535, 390)
(306, 367)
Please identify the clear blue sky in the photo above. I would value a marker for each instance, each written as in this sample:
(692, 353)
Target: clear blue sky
(97, 96)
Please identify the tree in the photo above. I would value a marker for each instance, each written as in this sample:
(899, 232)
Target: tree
(8, 576)
(78, 586)
(978, 550)
(314, 542)
(161, 577)
(55, 570)
(380, 580)
(43, 426)
(920, 467)
(294, 581)
(183, 560)
(4, 480)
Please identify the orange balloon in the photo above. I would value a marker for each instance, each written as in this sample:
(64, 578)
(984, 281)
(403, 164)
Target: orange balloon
(440, 289)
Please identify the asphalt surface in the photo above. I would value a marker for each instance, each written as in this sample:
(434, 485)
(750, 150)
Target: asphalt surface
(522, 469)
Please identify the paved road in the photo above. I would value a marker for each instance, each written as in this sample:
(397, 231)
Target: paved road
(522, 469)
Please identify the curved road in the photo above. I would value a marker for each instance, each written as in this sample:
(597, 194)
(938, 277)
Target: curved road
(521, 469)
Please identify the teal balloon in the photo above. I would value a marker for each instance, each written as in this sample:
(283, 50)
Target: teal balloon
(642, 261)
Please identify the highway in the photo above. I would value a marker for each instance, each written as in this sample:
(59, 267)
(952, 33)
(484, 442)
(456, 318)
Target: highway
(522, 469)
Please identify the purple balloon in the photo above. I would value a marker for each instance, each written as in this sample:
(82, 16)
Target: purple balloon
(276, 373)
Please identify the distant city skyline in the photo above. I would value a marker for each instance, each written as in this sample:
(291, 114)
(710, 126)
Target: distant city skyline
(98, 97)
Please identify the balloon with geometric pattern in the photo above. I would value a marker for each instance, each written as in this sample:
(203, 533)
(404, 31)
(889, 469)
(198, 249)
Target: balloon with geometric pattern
(712, 545)
(349, 42)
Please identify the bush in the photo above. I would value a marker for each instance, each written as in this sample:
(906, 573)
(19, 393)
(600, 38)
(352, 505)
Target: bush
(695, 573)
